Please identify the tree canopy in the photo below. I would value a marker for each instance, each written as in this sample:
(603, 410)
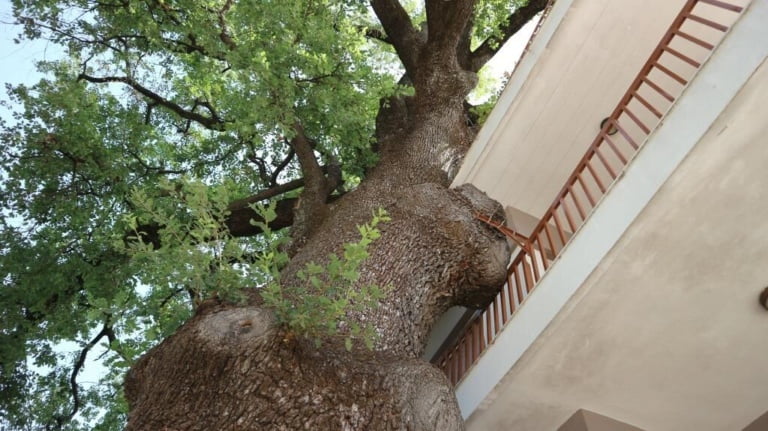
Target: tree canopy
(158, 162)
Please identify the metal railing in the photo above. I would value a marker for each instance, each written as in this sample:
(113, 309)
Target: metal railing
(688, 42)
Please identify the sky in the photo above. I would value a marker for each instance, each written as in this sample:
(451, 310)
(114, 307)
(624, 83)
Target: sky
(17, 61)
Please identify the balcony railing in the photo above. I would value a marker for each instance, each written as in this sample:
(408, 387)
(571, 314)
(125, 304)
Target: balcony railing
(691, 38)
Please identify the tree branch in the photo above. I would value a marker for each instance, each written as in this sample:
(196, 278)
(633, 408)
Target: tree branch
(192, 46)
(224, 35)
(213, 122)
(446, 23)
(266, 194)
(513, 24)
(311, 209)
(239, 220)
(157, 169)
(106, 331)
(279, 168)
(67, 33)
(400, 31)
(376, 34)
(314, 177)
(240, 214)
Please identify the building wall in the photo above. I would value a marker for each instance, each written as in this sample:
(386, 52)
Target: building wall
(666, 332)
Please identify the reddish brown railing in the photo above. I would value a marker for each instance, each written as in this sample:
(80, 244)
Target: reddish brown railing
(694, 33)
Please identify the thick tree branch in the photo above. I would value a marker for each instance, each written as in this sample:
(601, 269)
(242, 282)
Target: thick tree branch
(513, 24)
(400, 31)
(240, 215)
(313, 174)
(213, 122)
(311, 209)
(239, 220)
(446, 22)
(159, 170)
(463, 48)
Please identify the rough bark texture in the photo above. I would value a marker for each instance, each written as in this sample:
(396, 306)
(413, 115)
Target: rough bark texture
(232, 368)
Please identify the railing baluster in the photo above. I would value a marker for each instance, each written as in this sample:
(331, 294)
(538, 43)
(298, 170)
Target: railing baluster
(671, 74)
(559, 227)
(528, 277)
(518, 287)
(542, 255)
(534, 266)
(456, 372)
(707, 22)
(637, 121)
(724, 5)
(626, 136)
(460, 357)
(615, 149)
(567, 213)
(504, 298)
(489, 327)
(658, 89)
(647, 105)
(465, 353)
(607, 165)
(549, 240)
(577, 203)
(496, 313)
(694, 39)
(476, 344)
(586, 191)
(595, 176)
(682, 56)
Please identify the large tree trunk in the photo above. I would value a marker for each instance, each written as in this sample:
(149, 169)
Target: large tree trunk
(232, 367)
